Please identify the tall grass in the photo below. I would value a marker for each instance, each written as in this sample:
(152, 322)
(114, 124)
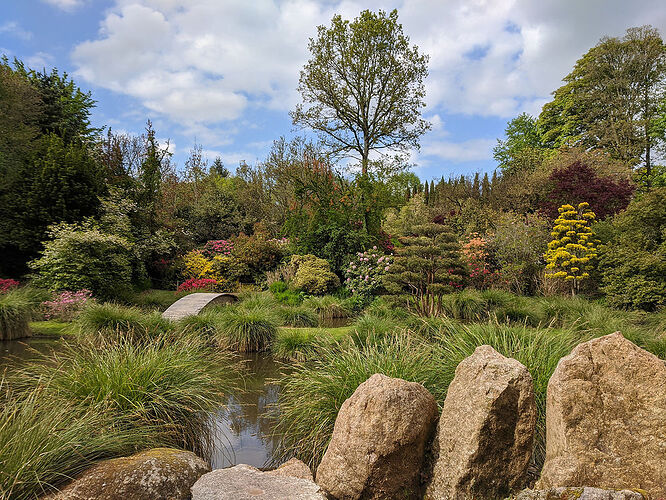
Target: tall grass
(313, 393)
(247, 329)
(329, 307)
(17, 308)
(207, 324)
(302, 344)
(153, 300)
(299, 316)
(164, 387)
(111, 318)
(46, 441)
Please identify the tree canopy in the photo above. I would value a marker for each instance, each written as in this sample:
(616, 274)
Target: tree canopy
(363, 87)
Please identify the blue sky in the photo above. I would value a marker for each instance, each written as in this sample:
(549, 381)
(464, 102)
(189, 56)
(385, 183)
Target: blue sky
(224, 72)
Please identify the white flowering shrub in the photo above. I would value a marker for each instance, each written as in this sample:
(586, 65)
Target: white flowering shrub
(364, 274)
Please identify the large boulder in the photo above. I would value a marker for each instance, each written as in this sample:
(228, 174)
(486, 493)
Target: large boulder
(292, 468)
(605, 418)
(152, 474)
(486, 431)
(582, 493)
(379, 440)
(244, 482)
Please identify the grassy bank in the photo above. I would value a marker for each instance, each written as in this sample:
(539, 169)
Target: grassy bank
(104, 396)
(17, 308)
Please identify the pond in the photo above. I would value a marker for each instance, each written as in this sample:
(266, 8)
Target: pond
(243, 427)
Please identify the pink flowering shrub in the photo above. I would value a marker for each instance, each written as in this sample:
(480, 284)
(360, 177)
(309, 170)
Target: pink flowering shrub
(475, 256)
(198, 284)
(66, 305)
(363, 275)
(218, 247)
(8, 284)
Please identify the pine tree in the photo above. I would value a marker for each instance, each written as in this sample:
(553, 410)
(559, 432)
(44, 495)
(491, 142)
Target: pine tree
(485, 187)
(571, 254)
(426, 194)
(425, 267)
(433, 193)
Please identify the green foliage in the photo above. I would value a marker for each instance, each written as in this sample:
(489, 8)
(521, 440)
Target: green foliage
(17, 308)
(517, 245)
(372, 53)
(633, 262)
(80, 256)
(312, 394)
(109, 319)
(572, 253)
(45, 441)
(300, 316)
(426, 267)
(151, 300)
(313, 275)
(522, 150)
(302, 344)
(329, 307)
(611, 97)
(257, 253)
(247, 328)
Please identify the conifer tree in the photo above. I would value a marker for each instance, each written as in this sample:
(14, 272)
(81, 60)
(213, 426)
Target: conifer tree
(573, 250)
(425, 267)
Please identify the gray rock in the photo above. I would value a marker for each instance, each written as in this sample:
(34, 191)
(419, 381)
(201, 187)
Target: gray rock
(486, 429)
(293, 468)
(605, 418)
(244, 482)
(379, 439)
(149, 475)
(582, 493)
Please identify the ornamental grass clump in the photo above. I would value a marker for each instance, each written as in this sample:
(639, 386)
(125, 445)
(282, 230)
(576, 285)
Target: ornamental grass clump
(329, 307)
(164, 389)
(299, 316)
(44, 441)
(247, 329)
(17, 307)
(111, 318)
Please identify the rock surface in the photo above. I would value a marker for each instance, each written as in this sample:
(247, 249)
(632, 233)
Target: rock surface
(486, 429)
(379, 439)
(605, 415)
(244, 482)
(293, 468)
(149, 475)
(584, 493)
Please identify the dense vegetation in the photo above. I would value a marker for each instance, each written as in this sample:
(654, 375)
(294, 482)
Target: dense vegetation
(341, 272)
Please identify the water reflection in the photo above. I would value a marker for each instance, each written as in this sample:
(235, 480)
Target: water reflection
(245, 427)
(16, 352)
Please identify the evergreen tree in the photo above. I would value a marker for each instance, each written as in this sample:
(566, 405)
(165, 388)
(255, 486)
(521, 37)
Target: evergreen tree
(425, 267)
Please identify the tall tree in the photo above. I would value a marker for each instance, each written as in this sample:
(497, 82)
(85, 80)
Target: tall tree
(522, 149)
(611, 98)
(363, 87)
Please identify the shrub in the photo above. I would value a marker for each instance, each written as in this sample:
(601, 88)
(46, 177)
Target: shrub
(517, 246)
(573, 252)
(633, 262)
(193, 284)
(475, 256)
(83, 257)
(218, 247)
(313, 275)
(258, 254)
(364, 273)
(247, 329)
(8, 284)
(425, 268)
(65, 306)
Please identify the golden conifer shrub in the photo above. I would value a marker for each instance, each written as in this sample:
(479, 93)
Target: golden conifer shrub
(572, 252)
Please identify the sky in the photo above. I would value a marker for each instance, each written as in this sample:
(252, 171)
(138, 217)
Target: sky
(223, 73)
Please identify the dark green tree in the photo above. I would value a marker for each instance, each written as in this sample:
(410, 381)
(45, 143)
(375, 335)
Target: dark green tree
(425, 267)
(363, 87)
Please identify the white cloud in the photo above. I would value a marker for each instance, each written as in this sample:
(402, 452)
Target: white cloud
(459, 152)
(204, 63)
(66, 5)
(40, 60)
(13, 28)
